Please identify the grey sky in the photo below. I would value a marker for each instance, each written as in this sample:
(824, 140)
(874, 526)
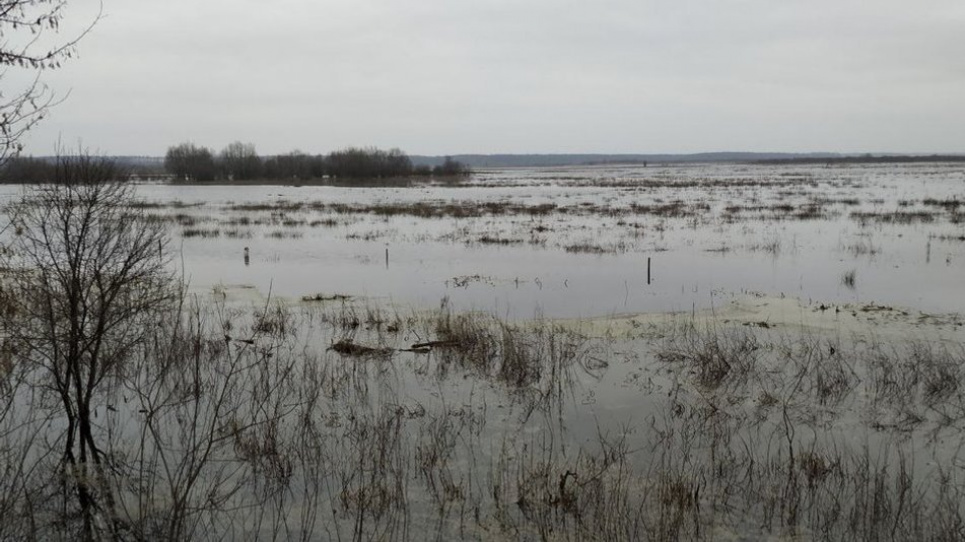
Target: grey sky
(486, 76)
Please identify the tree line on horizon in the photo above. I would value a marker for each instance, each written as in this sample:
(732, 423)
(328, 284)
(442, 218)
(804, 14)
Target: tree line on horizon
(240, 162)
(187, 162)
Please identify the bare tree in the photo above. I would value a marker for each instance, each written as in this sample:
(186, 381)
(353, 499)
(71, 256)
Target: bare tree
(22, 25)
(213, 429)
(240, 161)
(87, 278)
(190, 162)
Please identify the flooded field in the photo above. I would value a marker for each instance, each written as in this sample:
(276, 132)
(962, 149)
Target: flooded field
(581, 353)
(576, 241)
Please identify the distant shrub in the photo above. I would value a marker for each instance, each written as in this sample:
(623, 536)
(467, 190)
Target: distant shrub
(450, 168)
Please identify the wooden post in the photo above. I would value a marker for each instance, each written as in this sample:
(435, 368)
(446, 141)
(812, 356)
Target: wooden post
(386, 257)
(648, 270)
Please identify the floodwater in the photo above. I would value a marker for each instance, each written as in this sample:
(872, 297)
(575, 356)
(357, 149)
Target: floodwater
(481, 452)
(700, 229)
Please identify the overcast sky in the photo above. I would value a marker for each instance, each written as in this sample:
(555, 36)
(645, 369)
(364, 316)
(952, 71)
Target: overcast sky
(517, 76)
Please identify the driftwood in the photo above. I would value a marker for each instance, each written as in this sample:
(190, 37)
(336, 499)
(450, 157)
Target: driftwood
(347, 348)
(321, 297)
(433, 344)
(761, 324)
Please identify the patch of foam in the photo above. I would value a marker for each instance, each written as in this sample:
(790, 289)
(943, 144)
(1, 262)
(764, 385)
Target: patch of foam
(786, 313)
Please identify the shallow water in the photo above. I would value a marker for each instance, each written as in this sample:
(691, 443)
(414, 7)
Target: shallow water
(589, 256)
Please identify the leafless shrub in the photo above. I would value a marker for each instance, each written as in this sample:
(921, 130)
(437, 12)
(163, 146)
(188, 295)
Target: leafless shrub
(716, 356)
(535, 360)
(848, 278)
(862, 247)
(905, 382)
(371, 470)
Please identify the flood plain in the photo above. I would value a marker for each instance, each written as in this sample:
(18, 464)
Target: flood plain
(574, 242)
(492, 360)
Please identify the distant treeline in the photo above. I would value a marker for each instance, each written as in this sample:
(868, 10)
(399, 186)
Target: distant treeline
(240, 162)
(49, 169)
(552, 160)
(868, 159)
(27, 170)
(59, 169)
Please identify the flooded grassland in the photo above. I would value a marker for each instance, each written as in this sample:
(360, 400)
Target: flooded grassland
(576, 241)
(580, 353)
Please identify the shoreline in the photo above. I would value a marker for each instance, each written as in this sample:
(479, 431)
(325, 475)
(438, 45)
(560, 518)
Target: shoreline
(758, 311)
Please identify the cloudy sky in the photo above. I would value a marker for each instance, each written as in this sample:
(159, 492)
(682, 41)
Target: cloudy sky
(519, 76)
